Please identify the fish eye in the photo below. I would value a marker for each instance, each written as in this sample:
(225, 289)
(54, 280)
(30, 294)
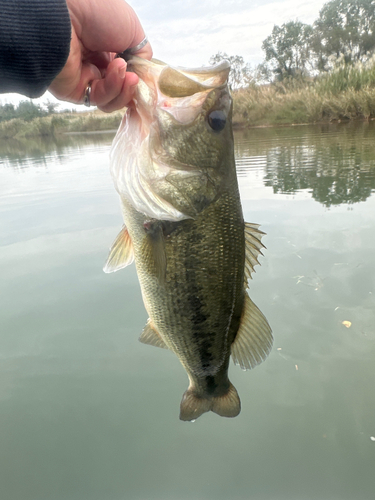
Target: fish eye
(217, 120)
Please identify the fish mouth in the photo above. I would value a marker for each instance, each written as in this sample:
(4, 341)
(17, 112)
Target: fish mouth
(180, 92)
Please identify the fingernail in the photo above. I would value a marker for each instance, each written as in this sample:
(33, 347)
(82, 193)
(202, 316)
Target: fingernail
(122, 70)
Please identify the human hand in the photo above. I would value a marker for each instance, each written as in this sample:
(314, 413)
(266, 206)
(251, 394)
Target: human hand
(100, 29)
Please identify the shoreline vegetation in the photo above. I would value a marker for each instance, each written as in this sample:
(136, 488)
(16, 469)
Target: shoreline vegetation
(255, 106)
(58, 124)
(346, 93)
(311, 74)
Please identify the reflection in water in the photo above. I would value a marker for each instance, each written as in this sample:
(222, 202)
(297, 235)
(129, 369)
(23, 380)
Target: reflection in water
(21, 153)
(89, 413)
(335, 163)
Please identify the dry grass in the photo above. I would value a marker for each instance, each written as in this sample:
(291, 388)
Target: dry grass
(53, 125)
(346, 93)
(267, 106)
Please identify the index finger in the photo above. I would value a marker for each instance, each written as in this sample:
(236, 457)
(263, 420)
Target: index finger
(142, 49)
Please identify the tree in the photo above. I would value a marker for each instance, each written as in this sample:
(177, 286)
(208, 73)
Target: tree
(263, 73)
(288, 49)
(7, 112)
(27, 110)
(344, 28)
(51, 107)
(240, 72)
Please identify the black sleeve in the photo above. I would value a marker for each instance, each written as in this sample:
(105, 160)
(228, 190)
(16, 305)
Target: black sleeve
(34, 44)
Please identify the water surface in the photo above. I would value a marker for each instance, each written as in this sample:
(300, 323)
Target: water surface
(89, 413)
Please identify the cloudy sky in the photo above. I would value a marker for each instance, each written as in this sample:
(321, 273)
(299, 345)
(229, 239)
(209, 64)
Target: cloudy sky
(188, 32)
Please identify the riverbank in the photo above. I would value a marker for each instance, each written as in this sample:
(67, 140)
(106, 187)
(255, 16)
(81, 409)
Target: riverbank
(57, 124)
(272, 106)
(335, 98)
(346, 93)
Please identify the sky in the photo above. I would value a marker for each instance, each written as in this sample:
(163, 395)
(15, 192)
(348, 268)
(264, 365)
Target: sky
(187, 33)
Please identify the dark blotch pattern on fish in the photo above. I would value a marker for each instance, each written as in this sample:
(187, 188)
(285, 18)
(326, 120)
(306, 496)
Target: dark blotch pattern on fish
(211, 384)
(154, 227)
(202, 338)
(198, 316)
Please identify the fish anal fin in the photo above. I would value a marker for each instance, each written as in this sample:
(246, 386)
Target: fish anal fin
(193, 406)
(151, 336)
(253, 248)
(121, 253)
(254, 339)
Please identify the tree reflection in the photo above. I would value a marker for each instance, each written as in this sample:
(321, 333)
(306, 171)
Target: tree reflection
(336, 164)
(20, 153)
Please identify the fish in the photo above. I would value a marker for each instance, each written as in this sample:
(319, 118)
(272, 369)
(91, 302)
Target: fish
(172, 163)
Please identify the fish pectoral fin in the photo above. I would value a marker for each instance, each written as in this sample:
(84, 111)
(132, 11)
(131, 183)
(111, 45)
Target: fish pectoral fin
(151, 336)
(121, 253)
(253, 246)
(153, 251)
(254, 339)
(159, 259)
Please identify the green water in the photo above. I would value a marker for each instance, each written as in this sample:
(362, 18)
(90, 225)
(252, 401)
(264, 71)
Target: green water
(89, 413)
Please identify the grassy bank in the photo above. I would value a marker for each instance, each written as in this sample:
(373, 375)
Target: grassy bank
(272, 106)
(53, 125)
(346, 93)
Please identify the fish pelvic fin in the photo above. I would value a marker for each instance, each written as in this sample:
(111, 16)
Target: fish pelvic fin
(121, 253)
(254, 338)
(193, 406)
(151, 336)
(253, 247)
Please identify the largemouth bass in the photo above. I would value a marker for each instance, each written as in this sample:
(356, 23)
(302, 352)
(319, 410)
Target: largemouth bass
(173, 165)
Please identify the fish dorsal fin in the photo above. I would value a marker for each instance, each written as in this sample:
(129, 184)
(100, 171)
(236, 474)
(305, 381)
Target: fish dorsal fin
(151, 337)
(174, 83)
(254, 339)
(253, 247)
(121, 253)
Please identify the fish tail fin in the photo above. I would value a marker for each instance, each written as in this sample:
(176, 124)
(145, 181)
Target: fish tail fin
(228, 405)
(193, 406)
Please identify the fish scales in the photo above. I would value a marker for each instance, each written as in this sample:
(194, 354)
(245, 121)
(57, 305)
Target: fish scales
(185, 230)
(192, 306)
